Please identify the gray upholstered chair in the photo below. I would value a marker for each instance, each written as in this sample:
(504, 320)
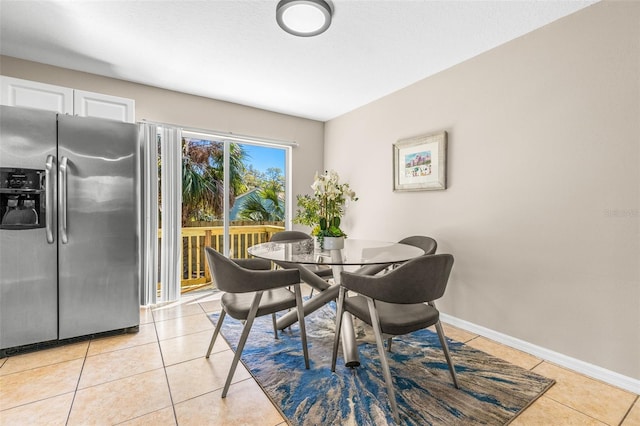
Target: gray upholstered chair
(323, 271)
(394, 304)
(253, 289)
(428, 244)
(310, 271)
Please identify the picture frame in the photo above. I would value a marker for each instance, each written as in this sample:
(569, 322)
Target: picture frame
(420, 163)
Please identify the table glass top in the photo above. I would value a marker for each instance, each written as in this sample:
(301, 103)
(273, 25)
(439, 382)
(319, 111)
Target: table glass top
(355, 252)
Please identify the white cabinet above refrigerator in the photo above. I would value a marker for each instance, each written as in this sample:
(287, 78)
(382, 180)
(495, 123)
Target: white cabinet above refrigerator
(65, 100)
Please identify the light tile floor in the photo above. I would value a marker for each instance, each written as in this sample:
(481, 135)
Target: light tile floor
(159, 376)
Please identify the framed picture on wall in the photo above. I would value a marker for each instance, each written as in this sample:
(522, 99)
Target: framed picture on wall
(420, 163)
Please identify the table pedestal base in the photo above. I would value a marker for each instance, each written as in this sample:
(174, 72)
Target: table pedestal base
(349, 344)
(348, 336)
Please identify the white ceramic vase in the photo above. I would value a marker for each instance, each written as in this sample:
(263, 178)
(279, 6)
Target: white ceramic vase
(333, 243)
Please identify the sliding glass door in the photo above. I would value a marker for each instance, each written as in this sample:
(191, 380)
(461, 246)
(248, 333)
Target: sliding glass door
(233, 196)
(206, 190)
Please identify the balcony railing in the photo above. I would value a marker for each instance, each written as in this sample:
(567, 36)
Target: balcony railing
(195, 271)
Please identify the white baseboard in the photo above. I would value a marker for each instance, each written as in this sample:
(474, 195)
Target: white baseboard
(607, 376)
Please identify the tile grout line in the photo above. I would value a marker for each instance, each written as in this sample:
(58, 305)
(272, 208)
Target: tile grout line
(175, 318)
(542, 361)
(576, 410)
(164, 367)
(75, 392)
(635, 401)
(215, 390)
(35, 400)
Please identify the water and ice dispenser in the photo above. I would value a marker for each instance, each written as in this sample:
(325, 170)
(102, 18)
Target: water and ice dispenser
(22, 198)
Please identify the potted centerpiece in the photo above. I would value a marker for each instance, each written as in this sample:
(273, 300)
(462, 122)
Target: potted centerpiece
(323, 210)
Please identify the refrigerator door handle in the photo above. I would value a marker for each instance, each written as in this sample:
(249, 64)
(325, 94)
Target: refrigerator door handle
(62, 199)
(48, 199)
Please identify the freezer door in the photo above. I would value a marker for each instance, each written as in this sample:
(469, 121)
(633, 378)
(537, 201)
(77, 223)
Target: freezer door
(98, 226)
(28, 262)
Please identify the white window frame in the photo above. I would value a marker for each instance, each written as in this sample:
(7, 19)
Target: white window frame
(228, 139)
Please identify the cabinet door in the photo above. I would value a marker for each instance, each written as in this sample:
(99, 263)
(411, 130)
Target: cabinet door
(31, 94)
(98, 105)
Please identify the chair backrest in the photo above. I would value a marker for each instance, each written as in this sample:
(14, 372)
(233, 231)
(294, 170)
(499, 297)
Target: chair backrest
(289, 236)
(224, 271)
(422, 279)
(234, 278)
(428, 244)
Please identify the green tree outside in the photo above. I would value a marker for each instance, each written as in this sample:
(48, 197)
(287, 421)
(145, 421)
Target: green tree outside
(202, 178)
(203, 186)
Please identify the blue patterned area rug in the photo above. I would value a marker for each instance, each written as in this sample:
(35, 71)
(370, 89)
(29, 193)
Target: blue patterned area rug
(492, 391)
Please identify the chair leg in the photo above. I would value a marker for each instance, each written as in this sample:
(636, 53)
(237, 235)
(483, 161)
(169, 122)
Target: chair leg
(223, 313)
(445, 349)
(336, 338)
(303, 329)
(243, 340)
(275, 328)
(375, 324)
(389, 340)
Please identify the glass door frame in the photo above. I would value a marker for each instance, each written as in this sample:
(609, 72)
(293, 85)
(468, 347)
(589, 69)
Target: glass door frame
(227, 139)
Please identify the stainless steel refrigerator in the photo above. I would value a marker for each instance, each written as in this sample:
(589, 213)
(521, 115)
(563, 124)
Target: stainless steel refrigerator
(69, 226)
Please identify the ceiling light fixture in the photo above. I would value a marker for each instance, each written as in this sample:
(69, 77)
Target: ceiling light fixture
(304, 18)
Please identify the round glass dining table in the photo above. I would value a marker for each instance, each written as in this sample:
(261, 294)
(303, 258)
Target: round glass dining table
(359, 256)
(355, 252)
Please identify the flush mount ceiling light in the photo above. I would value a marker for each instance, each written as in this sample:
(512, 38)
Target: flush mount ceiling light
(304, 18)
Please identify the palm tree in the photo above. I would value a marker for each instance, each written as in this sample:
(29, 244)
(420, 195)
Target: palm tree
(202, 177)
(264, 205)
(267, 204)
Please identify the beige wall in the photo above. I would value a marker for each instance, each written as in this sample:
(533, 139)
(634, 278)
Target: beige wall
(542, 209)
(165, 106)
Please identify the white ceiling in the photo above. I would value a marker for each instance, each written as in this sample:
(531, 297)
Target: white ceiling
(233, 50)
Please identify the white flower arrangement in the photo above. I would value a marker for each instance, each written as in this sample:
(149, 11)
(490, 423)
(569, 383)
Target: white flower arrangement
(324, 210)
